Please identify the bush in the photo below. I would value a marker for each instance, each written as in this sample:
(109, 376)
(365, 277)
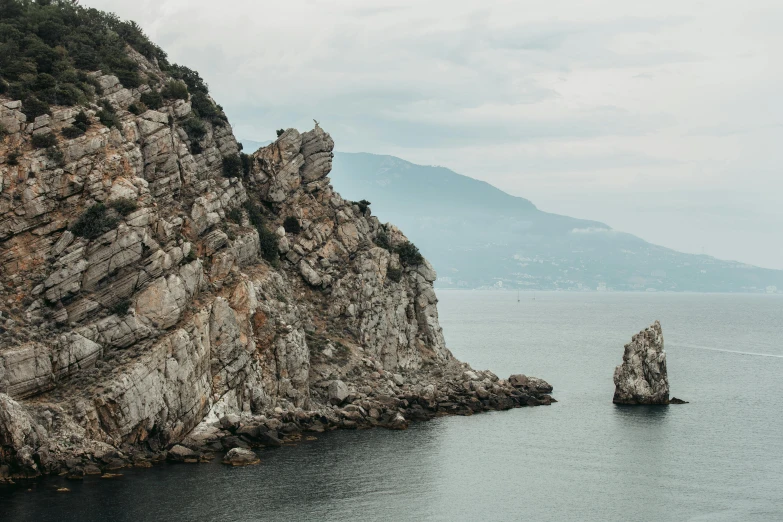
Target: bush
(152, 99)
(235, 215)
(194, 128)
(394, 274)
(44, 141)
(409, 254)
(129, 78)
(108, 119)
(13, 158)
(269, 244)
(203, 106)
(191, 78)
(72, 132)
(291, 225)
(363, 205)
(280, 132)
(247, 162)
(108, 115)
(195, 148)
(32, 107)
(137, 108)
(232, 166)
(123, 206)
(81, 121)
(382, 240)
(268, 239)
(121, 308)
(56, 155)
(94, 222)
(175, 90)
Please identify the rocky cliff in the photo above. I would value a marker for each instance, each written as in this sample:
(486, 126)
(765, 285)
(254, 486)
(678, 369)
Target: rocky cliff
(159, 288)
(642, 377)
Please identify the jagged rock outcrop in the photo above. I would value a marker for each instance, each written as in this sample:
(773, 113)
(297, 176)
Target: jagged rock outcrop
(119, 346)
(642, 378)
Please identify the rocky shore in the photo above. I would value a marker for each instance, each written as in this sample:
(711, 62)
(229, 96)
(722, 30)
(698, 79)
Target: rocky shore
(460, 391)
(165, 295)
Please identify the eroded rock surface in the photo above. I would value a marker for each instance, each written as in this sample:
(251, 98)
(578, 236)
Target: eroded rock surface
(169, 335)
(642, 378)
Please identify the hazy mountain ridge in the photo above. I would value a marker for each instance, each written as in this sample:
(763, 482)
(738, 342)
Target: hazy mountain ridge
(477, 235)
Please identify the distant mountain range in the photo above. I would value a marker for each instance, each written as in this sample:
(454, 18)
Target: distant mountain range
(478, 236)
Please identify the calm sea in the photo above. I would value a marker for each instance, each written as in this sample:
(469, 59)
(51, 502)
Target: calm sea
(718, 458)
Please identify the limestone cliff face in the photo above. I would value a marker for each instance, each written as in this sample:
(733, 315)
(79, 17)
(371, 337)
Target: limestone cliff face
(169, 318)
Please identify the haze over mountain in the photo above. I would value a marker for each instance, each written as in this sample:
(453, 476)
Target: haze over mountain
(477, 235)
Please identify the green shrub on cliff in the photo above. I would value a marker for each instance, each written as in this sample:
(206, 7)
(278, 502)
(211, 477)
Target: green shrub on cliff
(409, 254)
(44, 141)
(94, 222)
(232, 166)
(382, 239)
(124, 206)
(195, 129)
(122, 307)
(49, 48)
(267, 238)
(32, 107)
(247, 163)
(13, 158)
(72, 132)
(394, 274)
(108, 115)
(291, 225)
(175, 90)
(152, 99)
(363, 205)
(45, 44)
(56, 155)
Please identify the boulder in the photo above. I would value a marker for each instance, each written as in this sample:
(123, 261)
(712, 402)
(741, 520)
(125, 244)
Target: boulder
(397, 422)
(230, 422)
(269, 438)
(533, 384)
(338, 392)
(642, 378)
(180, 453)
(241, 457)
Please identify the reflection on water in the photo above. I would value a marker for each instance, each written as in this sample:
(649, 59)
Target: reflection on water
(642, 414)
(717, 458)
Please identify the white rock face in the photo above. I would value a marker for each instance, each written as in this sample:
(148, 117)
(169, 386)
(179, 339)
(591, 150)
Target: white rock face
(172, 318)
(642, 378)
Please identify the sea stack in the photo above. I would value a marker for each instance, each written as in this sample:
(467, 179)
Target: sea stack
(641, 378)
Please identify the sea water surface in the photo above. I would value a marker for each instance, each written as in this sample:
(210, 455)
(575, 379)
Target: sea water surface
(718, 458)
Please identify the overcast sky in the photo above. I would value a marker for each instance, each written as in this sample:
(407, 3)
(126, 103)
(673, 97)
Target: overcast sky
(663, 119)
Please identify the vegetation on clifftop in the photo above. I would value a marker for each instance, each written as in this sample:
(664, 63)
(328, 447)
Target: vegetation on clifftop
(49, 48)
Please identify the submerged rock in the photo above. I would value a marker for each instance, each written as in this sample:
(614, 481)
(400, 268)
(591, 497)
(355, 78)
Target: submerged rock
(241, 457)
(642, 378)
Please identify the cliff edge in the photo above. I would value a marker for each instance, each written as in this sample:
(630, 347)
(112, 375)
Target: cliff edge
(166, 294)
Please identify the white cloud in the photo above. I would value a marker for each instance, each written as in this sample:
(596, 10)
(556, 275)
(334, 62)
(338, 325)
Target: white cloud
(603, 109)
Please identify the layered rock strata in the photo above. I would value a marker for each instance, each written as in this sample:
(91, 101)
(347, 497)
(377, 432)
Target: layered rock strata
(642, 378)
(135, 344)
